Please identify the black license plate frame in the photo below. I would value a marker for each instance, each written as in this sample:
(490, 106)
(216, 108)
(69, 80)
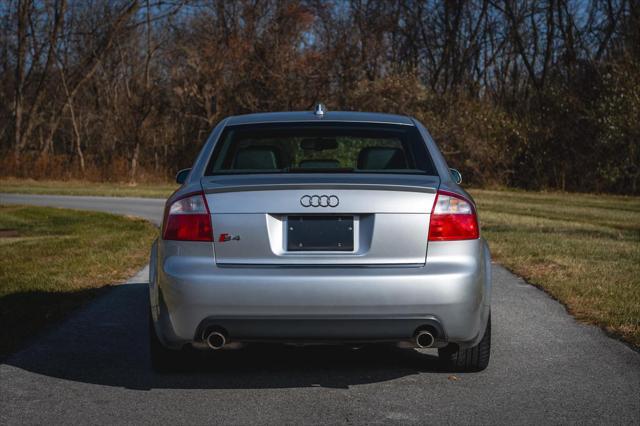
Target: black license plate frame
(334, 233)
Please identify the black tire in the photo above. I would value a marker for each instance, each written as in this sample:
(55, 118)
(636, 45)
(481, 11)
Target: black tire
(163, 359)
(471, 359)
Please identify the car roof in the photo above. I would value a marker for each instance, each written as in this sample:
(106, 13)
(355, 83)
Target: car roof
(310, 116)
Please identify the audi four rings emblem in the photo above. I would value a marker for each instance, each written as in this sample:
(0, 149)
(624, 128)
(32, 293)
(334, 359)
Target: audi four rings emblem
(319, 201)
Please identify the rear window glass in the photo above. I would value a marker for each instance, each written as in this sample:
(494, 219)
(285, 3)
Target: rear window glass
(320, 148)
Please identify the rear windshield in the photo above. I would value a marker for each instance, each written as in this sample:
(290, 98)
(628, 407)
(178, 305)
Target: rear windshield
(320, 148)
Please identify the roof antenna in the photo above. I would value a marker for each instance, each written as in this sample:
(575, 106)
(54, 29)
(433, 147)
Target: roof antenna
(320, 109)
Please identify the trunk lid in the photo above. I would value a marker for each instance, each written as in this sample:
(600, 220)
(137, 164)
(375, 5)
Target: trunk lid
(320, 219)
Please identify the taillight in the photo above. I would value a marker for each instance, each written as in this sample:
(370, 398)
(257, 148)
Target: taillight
(188, 219)
(453, 218)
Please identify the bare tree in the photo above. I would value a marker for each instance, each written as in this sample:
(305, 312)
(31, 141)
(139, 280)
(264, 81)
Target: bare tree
(518, 92)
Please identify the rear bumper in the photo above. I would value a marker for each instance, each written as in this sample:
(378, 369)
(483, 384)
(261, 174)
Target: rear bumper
(451, 291)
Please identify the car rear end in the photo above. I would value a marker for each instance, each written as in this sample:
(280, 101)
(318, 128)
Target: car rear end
(298, 228)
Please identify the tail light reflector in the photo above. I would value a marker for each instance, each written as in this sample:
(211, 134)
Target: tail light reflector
(188, 219)
(453, 218)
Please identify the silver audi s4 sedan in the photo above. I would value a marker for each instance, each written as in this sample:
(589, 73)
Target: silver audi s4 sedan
(321, 227)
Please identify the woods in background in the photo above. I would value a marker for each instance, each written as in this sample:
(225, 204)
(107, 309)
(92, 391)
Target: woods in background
(532, 94)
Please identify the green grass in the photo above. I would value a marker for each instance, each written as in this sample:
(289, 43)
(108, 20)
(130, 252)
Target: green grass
(74, 187)
(582, 249)
(58, 260)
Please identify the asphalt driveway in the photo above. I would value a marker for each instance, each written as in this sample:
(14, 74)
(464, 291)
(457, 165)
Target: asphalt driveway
(94, 368)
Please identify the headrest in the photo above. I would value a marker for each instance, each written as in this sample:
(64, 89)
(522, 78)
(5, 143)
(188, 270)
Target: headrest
(256, 158)
(380, 158)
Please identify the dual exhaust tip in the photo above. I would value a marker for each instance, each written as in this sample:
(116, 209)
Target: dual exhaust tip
(215, 339)
(424, 339)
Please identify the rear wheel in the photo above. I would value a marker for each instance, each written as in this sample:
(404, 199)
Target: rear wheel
(163, 359)
(475, 358)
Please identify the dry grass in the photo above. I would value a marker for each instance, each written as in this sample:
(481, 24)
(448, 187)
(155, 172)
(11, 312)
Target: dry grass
(59, 260)
(582, 249)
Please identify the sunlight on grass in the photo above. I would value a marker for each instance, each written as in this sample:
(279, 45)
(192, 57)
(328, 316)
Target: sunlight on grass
(582, 249)
(58, 261)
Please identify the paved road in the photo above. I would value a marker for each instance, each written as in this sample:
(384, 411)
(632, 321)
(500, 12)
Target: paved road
(94, 368)
(146, 208)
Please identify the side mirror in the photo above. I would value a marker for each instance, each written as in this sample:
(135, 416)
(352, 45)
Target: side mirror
(182, 175)
(456, 176)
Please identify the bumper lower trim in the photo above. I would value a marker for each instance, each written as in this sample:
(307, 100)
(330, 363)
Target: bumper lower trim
(322, 329)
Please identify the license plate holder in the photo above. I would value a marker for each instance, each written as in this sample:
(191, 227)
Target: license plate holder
(320, 233)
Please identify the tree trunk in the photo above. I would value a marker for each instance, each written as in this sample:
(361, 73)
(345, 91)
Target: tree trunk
(134, 162)
(76, 134)
(23, 14)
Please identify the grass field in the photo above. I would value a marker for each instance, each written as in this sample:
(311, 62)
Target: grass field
(582, 249)
(53, 260)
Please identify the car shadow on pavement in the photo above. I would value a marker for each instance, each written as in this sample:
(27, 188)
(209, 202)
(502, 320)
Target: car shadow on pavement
(106, 343)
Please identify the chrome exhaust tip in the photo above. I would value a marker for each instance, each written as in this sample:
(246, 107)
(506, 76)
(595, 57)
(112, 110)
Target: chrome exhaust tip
(215, 340)
(424, 339)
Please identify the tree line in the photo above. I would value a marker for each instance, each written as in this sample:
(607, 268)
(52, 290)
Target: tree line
(533, 94)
